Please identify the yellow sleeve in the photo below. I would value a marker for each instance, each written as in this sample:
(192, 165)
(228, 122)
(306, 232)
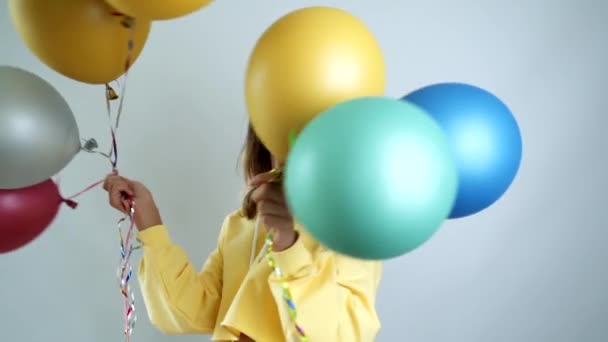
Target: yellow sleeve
(178, 299)
(334, 295)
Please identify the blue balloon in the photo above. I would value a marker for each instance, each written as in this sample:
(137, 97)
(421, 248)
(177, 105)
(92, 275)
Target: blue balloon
(484, 138)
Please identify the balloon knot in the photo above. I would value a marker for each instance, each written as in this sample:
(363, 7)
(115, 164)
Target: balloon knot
(128, 23)
(111, 93)
(90, 145)
(70, 203)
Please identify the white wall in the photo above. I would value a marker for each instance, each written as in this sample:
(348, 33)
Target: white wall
(532, 268)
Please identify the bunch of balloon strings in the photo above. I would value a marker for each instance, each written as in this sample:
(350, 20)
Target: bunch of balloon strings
(267, 252)
(127, 246)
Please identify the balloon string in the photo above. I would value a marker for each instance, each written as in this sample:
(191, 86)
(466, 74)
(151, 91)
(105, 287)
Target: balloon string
(85, 190)
(127, 67)
(126, 244)
(287, 296)
(128, 23)
(113, 154)
(277, 176)
(70, 199)
(125, 271)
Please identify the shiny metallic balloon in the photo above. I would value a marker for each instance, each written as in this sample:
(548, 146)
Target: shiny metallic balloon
(38, 132)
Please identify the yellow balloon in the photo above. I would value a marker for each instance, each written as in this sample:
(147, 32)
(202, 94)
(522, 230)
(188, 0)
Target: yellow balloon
(158, 9)
(306, 62)
(82, 39)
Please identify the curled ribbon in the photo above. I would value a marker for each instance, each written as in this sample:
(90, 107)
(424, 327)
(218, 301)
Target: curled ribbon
(125, 271)
(287, 296)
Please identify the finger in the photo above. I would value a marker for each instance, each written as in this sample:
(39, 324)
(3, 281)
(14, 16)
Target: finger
(122, 188)
(117, 192)
(126, 204)
(113, 179)
(268, 192)
(266, 177)
(108, 181)
(137, 187)
(120, 204)
(273, 208)
(116, 202)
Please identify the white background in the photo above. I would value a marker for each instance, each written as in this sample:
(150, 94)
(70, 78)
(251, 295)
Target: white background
(532, 268)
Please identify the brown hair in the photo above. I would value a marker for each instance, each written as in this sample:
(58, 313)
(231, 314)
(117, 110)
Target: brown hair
(256, 159)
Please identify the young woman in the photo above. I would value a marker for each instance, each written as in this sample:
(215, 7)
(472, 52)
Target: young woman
(236, 296)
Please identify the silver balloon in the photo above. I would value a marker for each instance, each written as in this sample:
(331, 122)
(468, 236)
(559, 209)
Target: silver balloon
(38, 132)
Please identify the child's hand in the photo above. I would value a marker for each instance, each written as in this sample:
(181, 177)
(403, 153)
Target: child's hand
(122, 190)
(272, 208)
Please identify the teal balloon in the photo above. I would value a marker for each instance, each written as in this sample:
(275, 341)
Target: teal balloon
(372, 178)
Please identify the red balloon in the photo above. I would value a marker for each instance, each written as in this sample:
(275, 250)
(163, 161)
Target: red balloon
(25, 213)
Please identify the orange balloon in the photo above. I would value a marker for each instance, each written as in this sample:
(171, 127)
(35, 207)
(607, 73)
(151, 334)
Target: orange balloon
(158, 9)
(82, 39)
(307, 61)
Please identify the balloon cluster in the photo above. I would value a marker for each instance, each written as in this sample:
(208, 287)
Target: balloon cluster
(371, 176)
(38, 137)
(91, 41)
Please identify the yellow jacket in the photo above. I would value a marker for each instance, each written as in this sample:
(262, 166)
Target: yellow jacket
(334, 294)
